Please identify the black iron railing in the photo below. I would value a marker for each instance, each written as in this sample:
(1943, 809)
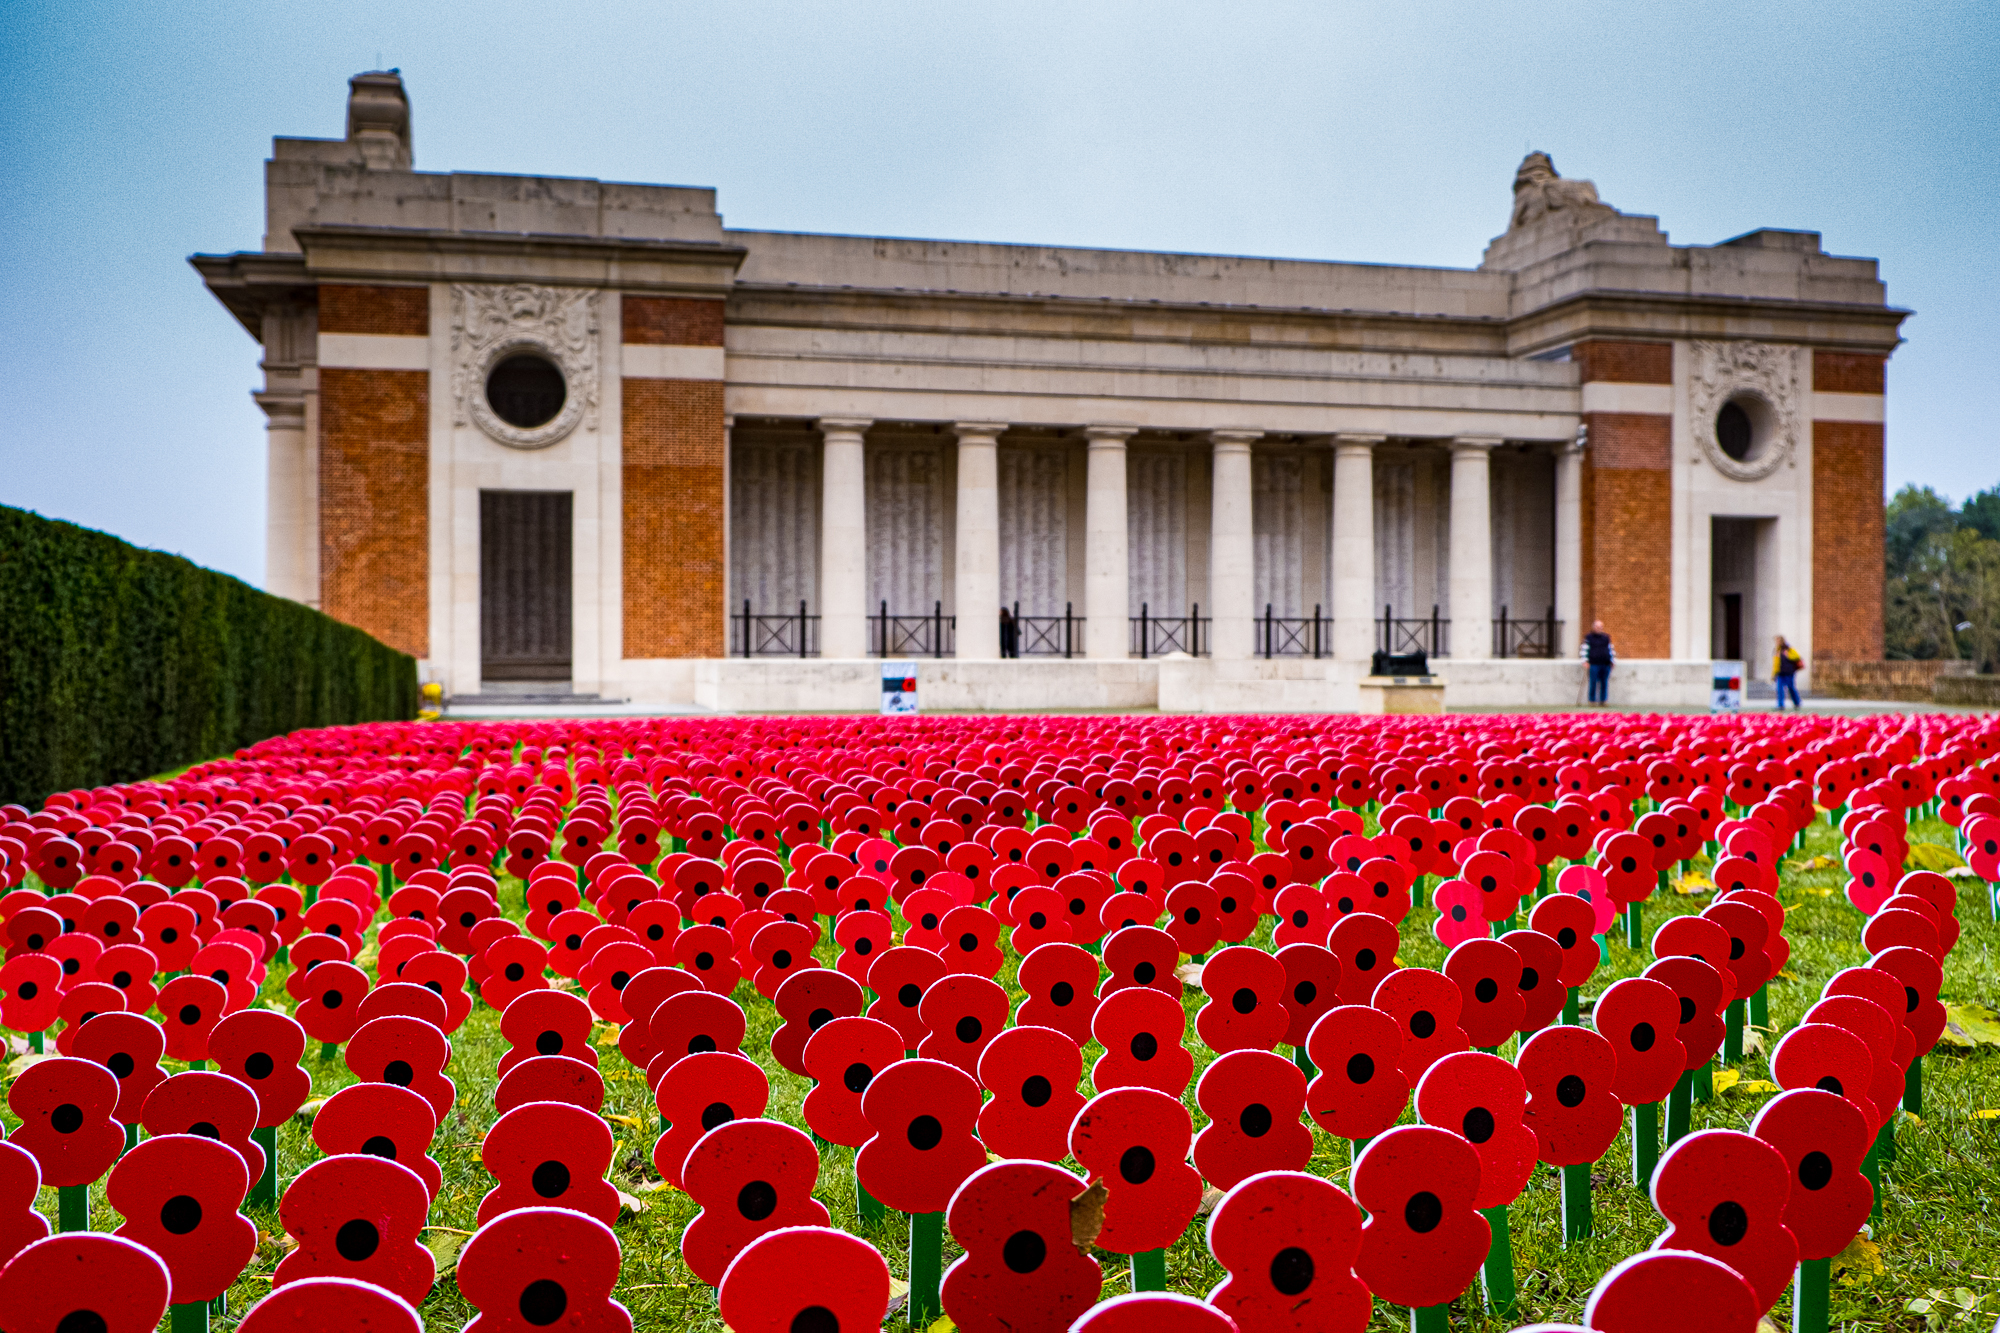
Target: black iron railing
(773, 635)
(1048, 636)
(933, 635)
(1526, 638)
(1401, 638)
(1294, 636)
(1156, 636)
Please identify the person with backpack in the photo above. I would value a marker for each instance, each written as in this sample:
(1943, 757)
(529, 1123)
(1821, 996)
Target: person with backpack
(1598, 654)
(1785, 664)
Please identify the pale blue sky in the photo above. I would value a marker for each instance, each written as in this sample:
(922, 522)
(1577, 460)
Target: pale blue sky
(134, 135)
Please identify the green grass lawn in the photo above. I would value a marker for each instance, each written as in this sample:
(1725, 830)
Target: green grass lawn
(1939, 1227)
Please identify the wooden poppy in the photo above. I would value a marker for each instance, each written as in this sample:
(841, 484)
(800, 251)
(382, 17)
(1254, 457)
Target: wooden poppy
(1032, 1073)
(358, 1216)
(807, 1001)
(30, 992)
(899, 977)
(179, 1194)
(1484, 1100)
(1426, 1005)
(1366, 946)
(1255, 1103)
(1423, 1241)
(514, 967)
(1641, 1019)
(551, 1078)
(1140, 1030)
(709, 955)
(407, 1052)
(1569, 1072)
(1459, 915)
(1724, 1194)
(20, 1178)
(1542, 991)
(329, 997)
(1831, 1059)
(1246, 1008)
(534, 1266)
(692, 1023)
(85, 1280)
(750, 1177)
(1153, 1312)
(1666, 1291)
(82, 1002)
(549, 1155)
(131, 968)
(1878, 1030)
(1487, 973)
(405, 998)
(1699, 988)
(65, 1105)
(1135, 1140)
(1304, 916)
(130, 1046)
(922, 1112)
(1289, 1241)
(566, 934)
(381, 1120)
(545, 1022)
(1360, 1089)
(1140, 956)
(842, 1058)
(799, 1278)
(696, 1094)
(1921, 978)
(610, 968)
(1823, 1139)
(1121, 910)
(969, 941)
(1021, 1271)
(1060, 985)
(1747, 962)
(1697, 937)
(331, 1305)
(213, 1105)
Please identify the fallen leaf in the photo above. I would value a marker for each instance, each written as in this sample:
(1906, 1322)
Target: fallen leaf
(1086, 1216)
(1692, 883)
(1821, 862)
(1189, 974)
(304, 1115)
(1860, 1262)
(1990, 1113)
(942, 1324)
(630, 1122)
(1961, 872)
(1209, 1198)
(899, 1295)
(1970, 1025)
(1934, 856)
(628, 1206)
(1755, 1087)
(444, 1247)
(604, 1034)
(21, 1064)
(1724, 1079)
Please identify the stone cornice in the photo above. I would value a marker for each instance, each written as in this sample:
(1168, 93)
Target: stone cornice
(391, 254)
(1655, 316)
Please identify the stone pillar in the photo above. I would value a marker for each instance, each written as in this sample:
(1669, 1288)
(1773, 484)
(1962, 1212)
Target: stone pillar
(1472, 547)
(1232, 547)
(1107, 571)
(976, 581)
(1354, 546)
(843, 539)
(289, 560)
(1569, 547)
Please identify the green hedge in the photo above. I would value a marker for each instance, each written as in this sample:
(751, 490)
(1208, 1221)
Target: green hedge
(118, 662)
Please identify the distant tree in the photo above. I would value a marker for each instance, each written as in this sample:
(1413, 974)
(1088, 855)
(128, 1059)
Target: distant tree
(1942, 571)
(1982, 513)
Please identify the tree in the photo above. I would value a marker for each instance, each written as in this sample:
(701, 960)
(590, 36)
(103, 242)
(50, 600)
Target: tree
(1943, 572)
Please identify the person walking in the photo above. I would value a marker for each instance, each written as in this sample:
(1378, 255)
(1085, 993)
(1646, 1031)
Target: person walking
(1598, 655)
(1785, 664)
(1010, 634)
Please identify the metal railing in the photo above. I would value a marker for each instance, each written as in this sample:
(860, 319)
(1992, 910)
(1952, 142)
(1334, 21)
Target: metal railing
(773, 635)
(933, 635)
(1047, 636)
(1294, 636)
(1526, 638)
(1156, 636)
(1401, 638)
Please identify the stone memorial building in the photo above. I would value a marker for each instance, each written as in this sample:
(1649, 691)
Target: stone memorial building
(576, 437)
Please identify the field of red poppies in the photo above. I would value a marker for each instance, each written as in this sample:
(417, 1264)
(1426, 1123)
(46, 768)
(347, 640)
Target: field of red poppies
(814, 1024)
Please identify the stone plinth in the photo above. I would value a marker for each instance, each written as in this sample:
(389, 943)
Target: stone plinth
(1402, 695)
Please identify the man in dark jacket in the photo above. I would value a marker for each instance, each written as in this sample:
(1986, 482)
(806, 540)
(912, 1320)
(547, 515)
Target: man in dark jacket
(1598, 654)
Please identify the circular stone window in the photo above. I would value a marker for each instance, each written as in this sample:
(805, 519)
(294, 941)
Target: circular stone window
(526, 391)
(1743, 427)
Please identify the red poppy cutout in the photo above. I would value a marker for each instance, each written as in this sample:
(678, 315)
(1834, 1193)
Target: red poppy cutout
(1255, 1102)
(1020, 1271)
(1700, 990)
(750, 1177)
(864, 937)
(1040, 917)
(1823, 1139)
(130, 967)
(130, 1046)
(799, 1278)
(1426, 1006)
(20, 1225)
(65, 1107)
(969, 941)
(1878, 1031)
(551, 1078)
(1289, 1242)
(780, 949)
(698, 1093)
(1921, 977)
(1663, 1291)
(331, 1305)
(407, 1052)
(1366, 946)
(709, 955)
(179, 1195)
(1032, 1073)
(405, 998)
(549, 1155)
(1641, 1020)
(922, 1112)
(1140, 1030)
(1136, 1141)
(1060, 981)
(381, 1120)
(1724, 1194)
(359, 1217)
(1487, 973)
(85, 1280)
(1747, 961)
(514, 967)
(527, 1269)
(808, 1001)
(82, 1002)
(1304, 916)
(693, 1023)
(1569, 1072)
(1831, 1059)
(843, 1058)
(1245, 1009)
(32, 996)
(613, 965)
(1140, 956)
(1122, 910)
(1360, 1089)
(213, 1105)
(329, 999)
(641, 999)
(1484, 1100)
(1569, 921)
(1154, 1312)
(1422, 1242)
(1542, 991)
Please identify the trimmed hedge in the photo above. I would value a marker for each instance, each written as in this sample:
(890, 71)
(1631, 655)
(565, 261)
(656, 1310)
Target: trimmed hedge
(118, 662)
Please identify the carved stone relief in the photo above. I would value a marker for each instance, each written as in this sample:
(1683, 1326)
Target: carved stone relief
(1764, 374)
(490, 323)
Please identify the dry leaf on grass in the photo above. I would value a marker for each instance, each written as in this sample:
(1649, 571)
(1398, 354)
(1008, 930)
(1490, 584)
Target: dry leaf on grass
(629, 1207)
(1967, 1026)
(1692, 883)
(1934, 856)
(1086, 1216)
(1860, 1262)
(1189, 974)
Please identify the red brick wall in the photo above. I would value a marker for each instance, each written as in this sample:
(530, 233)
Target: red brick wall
(1624, 363)
(1627, 563)
(394, 310)
(674, 441)
(668, 321)
(1848, 372)
(1847, 536)
(374, 502)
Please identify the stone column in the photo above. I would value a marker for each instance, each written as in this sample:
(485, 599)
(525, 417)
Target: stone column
(1354, 546)
(1232, 547)
(1107, 570)
(289, 560)
(843, 539)
(976, 581)
(1569, 547)
(1472, 547)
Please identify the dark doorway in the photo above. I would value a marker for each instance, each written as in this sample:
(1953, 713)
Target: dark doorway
(1732, 626)
(524, 585)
